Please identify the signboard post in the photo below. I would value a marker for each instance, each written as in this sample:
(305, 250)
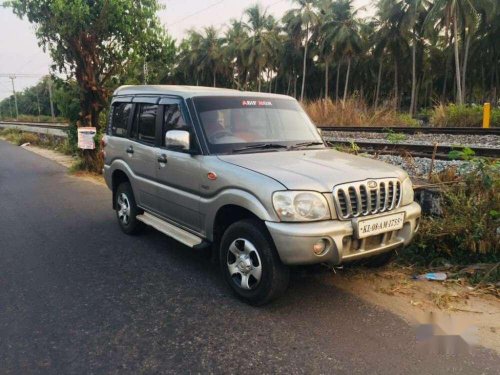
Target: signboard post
(86, 138)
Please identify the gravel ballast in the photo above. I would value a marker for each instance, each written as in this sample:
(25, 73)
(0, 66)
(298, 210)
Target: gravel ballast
(490, 141)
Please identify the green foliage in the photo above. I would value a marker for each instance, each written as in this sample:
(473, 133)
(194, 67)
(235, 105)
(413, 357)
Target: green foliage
(394, 137)
(467, 231)
(94, 41)
(462, 116)
(32, 101)
(48, 141)
(464, 154)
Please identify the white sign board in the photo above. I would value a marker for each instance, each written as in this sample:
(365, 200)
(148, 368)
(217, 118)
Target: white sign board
(86, 138)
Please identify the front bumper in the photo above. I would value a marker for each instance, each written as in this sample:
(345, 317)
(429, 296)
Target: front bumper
(294, 241)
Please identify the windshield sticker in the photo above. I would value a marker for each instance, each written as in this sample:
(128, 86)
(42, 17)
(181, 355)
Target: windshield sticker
(256, 103)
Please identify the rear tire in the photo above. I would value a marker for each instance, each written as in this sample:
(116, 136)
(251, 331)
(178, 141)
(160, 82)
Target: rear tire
(250, 263)
(127, 210)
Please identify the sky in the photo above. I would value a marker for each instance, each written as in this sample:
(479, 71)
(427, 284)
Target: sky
(20, 53)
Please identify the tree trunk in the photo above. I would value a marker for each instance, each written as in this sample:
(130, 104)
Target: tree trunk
(289, 84)
(346, 81)
(337, 83)
(214, 79)
(379, 78)
(396, 91)
(413, 76)
(464, 65)
(460, 98)
(326, 79)
(304, 64)
(258, 78)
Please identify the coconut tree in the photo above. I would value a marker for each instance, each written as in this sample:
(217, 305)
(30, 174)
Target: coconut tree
(390, 37)
(460, 16)
(305, 15)
(346, 39)
(261, 41)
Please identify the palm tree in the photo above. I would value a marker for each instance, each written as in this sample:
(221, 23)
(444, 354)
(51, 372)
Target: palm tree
(461, 16)
(235, 38)
(391, 38)
(261, 41)
(345, 33)
(306, 15)
(413, 10)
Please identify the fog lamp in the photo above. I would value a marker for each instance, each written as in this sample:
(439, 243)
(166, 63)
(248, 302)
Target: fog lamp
(320, 246)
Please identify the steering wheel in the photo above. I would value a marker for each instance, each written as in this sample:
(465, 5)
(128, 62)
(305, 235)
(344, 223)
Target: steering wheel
(220, 134)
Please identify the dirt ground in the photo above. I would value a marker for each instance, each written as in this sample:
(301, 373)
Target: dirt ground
(393, 288)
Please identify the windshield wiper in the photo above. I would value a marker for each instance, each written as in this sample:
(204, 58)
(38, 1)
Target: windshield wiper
(260, 146)
(306, 144)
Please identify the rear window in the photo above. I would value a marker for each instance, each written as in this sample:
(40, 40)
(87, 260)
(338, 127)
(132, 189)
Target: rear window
(144, 126)
(119, 119)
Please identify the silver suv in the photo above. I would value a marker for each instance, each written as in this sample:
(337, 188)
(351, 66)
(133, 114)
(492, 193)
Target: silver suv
(249, 176)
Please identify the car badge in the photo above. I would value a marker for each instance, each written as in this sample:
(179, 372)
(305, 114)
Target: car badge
(372, 184)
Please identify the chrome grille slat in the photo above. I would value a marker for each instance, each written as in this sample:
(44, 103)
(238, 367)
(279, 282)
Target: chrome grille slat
(358, 199)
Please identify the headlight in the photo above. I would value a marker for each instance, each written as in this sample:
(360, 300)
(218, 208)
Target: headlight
(300, 206)
(407, 190)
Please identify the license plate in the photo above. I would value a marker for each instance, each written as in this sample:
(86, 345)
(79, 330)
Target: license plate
(382, 224)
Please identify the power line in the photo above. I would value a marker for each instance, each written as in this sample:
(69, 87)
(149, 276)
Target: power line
(196, 13)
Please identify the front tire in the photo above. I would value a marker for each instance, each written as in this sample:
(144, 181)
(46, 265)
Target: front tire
(250, 263)
(127, 210)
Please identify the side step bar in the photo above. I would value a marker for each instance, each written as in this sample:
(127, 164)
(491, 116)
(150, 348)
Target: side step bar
(179, 234)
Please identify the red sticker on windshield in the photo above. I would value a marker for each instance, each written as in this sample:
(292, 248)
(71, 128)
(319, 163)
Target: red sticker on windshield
(256, 103)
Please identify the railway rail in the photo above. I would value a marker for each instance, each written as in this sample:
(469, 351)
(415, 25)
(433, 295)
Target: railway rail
(416, 150)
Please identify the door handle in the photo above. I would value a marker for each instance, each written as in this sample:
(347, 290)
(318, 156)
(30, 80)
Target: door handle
(130, 150)
(162, 158)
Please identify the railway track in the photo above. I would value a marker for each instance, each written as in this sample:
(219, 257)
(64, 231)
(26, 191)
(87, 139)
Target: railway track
(412, 130)
(416, 150)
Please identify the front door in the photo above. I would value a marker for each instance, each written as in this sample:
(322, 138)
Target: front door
(179, 175)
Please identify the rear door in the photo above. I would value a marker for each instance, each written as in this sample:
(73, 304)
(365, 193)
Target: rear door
(140, 150)
(179, 176)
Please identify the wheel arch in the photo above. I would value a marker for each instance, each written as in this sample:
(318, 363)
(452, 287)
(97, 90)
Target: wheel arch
(118, 177)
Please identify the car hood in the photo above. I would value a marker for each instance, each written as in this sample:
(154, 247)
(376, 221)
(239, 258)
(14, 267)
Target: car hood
(318, 170)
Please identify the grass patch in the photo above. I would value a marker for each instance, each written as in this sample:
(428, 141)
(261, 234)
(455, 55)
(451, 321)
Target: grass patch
(355, 112)
(41, 118)
(48, 141)
(462, 116)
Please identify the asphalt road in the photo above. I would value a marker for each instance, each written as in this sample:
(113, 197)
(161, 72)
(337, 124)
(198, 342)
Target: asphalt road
(78, 296)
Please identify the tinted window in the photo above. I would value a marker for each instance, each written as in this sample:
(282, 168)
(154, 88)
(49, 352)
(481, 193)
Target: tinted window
(173, 118)
(144, 126)
(119, 120)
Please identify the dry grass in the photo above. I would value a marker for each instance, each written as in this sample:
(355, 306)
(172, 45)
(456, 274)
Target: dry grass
(355, 112)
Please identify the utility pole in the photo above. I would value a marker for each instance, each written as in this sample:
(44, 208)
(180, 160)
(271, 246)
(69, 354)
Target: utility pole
(49, 84)
(12, 78)
(38, 104)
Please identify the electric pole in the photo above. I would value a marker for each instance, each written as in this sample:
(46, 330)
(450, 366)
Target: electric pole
(49, 84)
(12, 78)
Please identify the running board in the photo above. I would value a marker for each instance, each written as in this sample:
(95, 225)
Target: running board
(171, 230)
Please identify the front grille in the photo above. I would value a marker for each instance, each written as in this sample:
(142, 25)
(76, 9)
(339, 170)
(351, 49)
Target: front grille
(359, 199)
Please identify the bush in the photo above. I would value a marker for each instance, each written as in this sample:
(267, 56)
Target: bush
(462, 116)
(355, 112)
(468, 229)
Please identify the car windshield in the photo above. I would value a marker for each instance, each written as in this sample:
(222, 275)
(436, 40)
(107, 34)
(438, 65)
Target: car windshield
(235, 124)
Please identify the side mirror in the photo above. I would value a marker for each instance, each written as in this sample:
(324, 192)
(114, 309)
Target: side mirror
(178, 140)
